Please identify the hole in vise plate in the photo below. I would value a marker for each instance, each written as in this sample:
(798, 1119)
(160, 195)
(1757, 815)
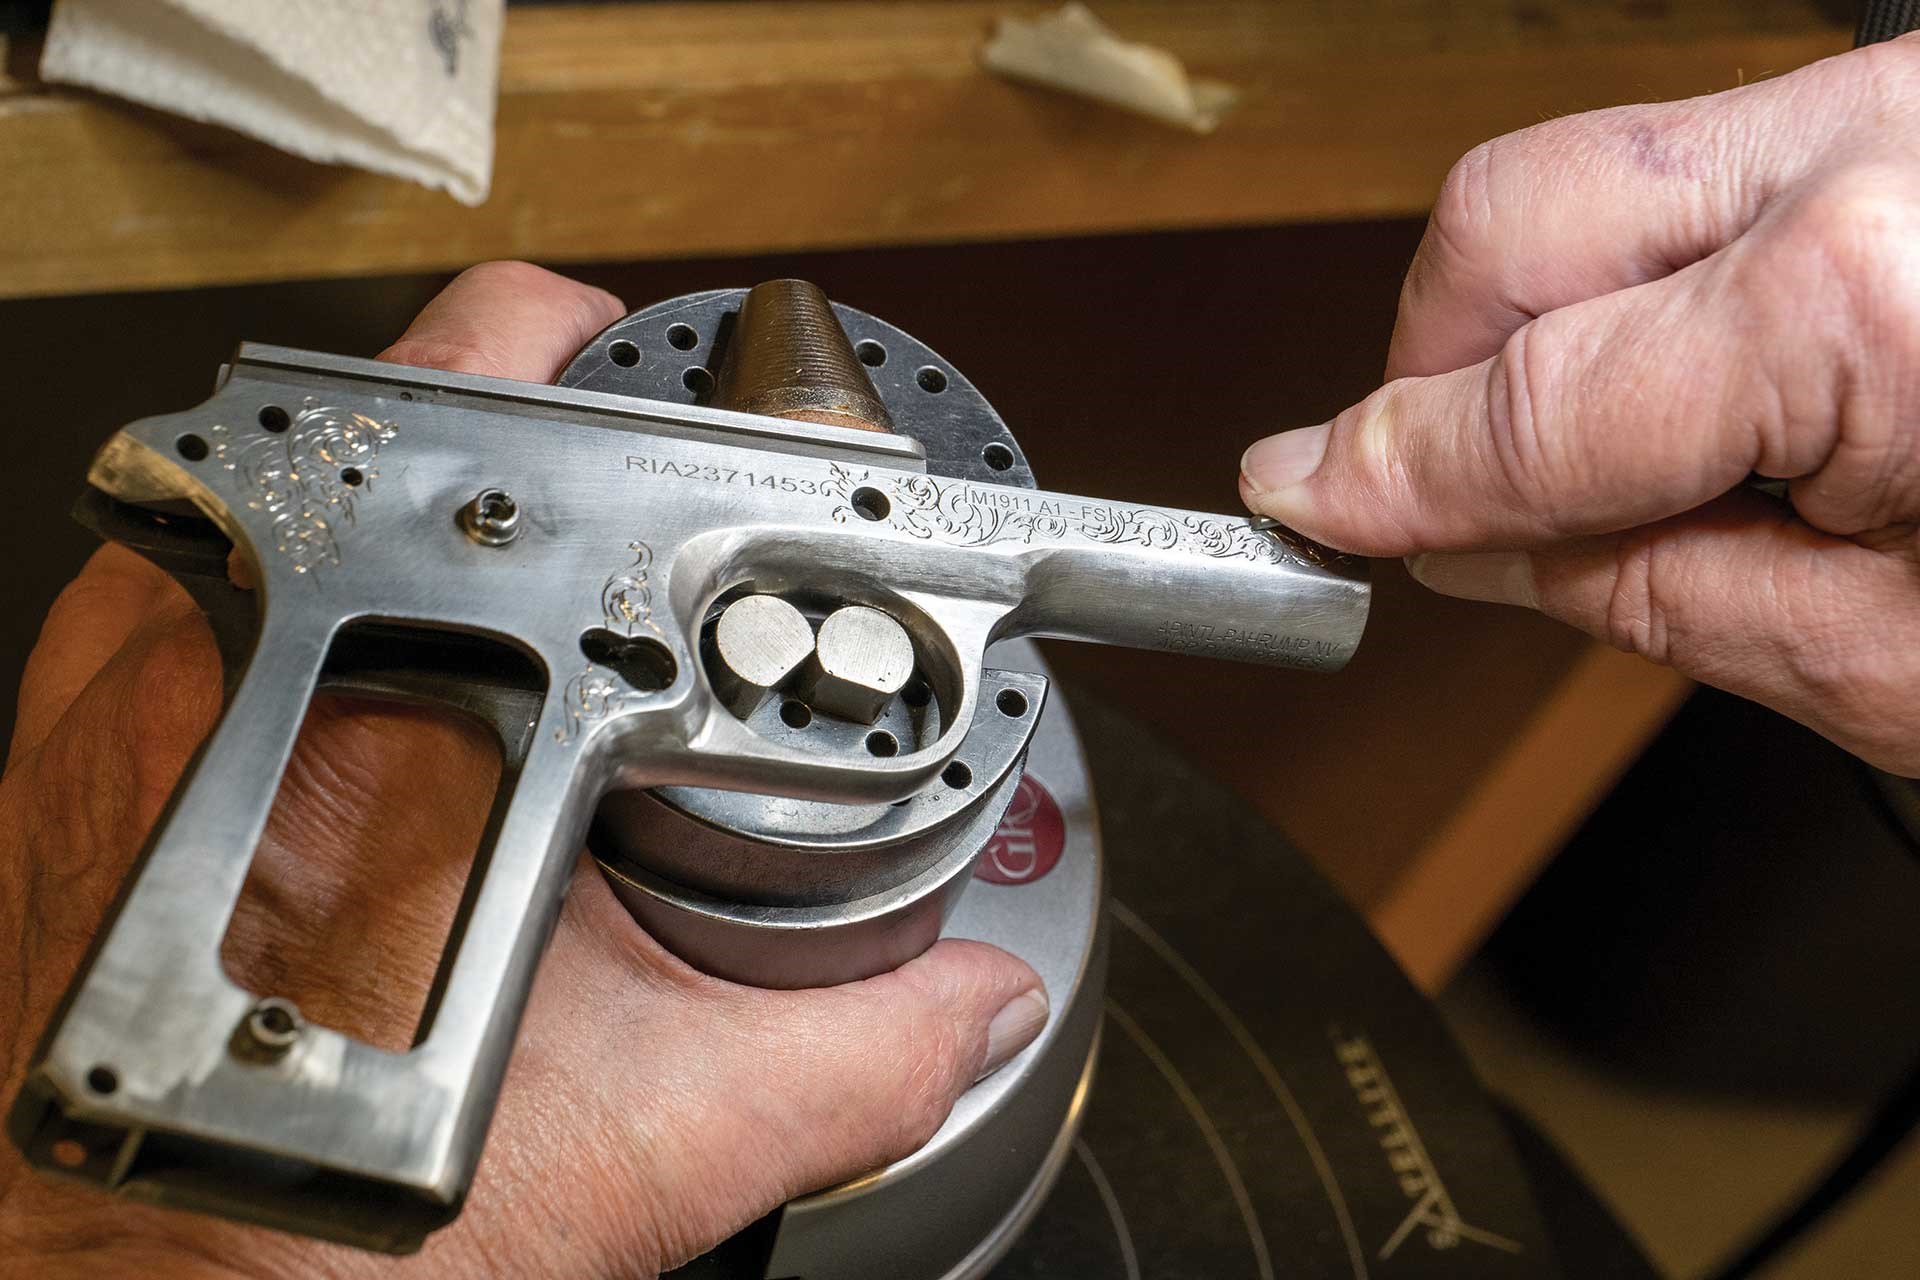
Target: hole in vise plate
(871, 353)
(682, 337)
(1011, 702)
(191, 447)
(623, 353)
(642, 661)
(273, 418)
(882, 743)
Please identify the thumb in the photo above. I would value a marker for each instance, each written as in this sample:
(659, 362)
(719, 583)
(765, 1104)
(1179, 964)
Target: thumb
(844, 1080)
(876, 1066)
(734, 1099)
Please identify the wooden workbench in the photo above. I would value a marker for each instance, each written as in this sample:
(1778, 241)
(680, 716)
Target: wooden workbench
(675, 130)
(658, 131)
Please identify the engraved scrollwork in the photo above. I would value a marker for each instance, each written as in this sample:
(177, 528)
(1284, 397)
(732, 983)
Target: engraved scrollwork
(971, 516)
(626, 599)
(1145, 528)
(1225, 540)
(1300, 549)
(626, 608)
(841, 485)
(307, 480)
(914, 498)
(591, 695)
(925, 508)
(1217, 538)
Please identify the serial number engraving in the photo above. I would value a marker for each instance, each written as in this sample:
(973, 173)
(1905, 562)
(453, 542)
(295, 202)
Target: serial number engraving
(726, 475)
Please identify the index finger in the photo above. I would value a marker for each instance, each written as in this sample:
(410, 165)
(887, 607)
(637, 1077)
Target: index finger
(506, 320)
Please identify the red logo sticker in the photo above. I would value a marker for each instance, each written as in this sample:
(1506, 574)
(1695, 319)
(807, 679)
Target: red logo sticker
(1028, 841)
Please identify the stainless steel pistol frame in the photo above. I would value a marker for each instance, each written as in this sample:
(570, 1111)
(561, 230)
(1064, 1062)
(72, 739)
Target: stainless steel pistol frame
(544, 558)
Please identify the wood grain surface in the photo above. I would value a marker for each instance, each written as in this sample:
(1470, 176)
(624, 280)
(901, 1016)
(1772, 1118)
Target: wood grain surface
(650, 131)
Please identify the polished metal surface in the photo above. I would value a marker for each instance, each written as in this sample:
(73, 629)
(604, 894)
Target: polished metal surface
(849, 898)
(860, 660)
(770, 851)
(759, 643)
(951, 1209)
(579, 642)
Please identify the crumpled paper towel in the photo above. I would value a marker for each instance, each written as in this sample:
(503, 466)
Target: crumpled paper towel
(404, 87)
(1070, 49)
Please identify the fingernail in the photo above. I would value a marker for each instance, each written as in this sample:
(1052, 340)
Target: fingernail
(1500, 577)
(1282, 461)
(1013, 1028)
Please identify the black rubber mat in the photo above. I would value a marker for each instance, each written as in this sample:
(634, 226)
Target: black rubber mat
(1273, 1098)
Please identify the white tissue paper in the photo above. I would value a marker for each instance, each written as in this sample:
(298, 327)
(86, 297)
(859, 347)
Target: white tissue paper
(1071, 50)
(404, 87)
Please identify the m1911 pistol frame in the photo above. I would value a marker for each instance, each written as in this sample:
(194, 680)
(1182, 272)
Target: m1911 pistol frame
(546, 559)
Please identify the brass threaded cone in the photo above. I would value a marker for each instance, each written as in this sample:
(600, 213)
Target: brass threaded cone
(789, 358)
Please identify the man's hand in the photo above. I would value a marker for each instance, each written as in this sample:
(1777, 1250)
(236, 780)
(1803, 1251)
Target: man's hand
(1613, 319)
(649, 1110)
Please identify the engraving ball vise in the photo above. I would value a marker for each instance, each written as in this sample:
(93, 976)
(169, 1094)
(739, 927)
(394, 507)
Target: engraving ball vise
(726, 594)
